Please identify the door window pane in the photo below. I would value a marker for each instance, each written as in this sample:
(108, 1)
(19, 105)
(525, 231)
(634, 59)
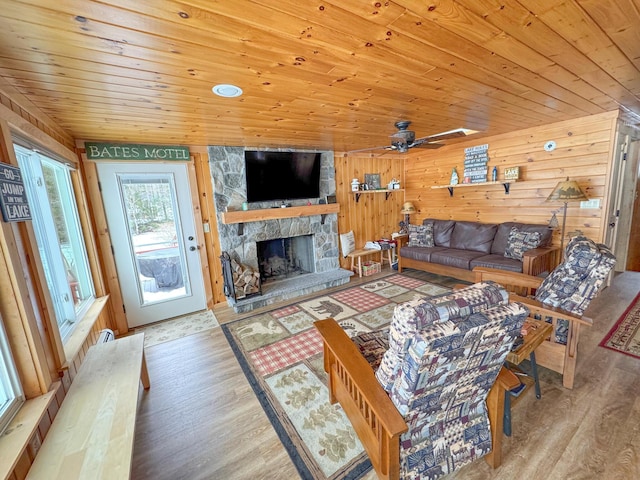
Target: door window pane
(58, 235)
(150, 206)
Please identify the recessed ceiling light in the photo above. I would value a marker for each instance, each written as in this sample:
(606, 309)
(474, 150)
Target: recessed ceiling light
(226, 90)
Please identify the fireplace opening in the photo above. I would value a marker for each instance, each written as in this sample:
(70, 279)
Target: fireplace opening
(282, 258)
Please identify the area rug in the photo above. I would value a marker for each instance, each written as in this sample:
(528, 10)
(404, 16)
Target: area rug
(280, 352)
(624, 337)
(178, 327)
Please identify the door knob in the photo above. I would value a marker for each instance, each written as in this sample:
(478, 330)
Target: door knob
(612, 224)
(190, 237)
(192, 248)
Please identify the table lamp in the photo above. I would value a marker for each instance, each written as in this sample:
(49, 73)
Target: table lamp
(566, 191)
(407, 209)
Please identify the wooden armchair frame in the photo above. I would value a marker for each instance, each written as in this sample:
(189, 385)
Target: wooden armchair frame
(374, 417)
(550, 354)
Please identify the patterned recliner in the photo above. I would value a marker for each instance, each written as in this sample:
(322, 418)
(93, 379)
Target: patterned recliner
(576, 281)
(444, 354)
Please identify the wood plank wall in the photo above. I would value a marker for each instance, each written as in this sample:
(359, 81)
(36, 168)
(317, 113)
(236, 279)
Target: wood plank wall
(373, 216)
(583, 153)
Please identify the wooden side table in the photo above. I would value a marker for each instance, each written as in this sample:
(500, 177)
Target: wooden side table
(387, 255)
(538, 332)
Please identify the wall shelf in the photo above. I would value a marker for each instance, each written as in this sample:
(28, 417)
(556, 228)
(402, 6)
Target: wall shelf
(504, 183)
(243, 216)
(385, 191)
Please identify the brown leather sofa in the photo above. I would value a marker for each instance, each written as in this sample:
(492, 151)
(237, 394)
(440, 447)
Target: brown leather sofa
(460, 246)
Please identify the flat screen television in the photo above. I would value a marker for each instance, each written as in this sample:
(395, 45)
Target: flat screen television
(281, 175)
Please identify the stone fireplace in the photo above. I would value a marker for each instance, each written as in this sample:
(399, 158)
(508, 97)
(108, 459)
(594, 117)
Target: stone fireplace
(282, 258)
(227, 171)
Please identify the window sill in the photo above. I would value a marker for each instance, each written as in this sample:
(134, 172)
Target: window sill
(21, 429)
(77, 339)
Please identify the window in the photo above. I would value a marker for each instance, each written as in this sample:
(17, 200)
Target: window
(58, 235)
(11, 397)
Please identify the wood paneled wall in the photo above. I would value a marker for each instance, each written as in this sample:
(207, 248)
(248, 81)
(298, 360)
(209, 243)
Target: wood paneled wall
(584, 153)
(374, 216)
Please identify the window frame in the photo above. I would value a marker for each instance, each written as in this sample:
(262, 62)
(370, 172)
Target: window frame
(66, 316)
(10, 384)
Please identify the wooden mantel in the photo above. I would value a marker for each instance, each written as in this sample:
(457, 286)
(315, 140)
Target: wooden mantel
(244, 216)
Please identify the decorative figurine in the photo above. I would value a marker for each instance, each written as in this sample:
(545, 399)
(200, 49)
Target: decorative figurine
(454, 177)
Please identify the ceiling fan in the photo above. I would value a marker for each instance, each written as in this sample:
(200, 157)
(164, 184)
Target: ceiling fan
(404, 139)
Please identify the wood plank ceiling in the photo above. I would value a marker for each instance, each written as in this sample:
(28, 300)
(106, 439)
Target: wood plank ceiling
(329, 74)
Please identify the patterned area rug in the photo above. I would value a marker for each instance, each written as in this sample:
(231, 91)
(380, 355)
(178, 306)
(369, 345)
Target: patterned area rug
(624, 337)
(178, 327)
(281, 354)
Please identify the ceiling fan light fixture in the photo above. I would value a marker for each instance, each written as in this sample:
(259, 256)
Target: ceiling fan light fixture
(227, 90)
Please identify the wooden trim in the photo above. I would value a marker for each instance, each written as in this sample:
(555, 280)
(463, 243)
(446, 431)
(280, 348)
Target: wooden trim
(30, 131)
(22, 428)
(82, 331)
(607, 201)
(88, 229)
(209, 217)
(17, 312)
(104, 246)
(198, 223)
(243, 216)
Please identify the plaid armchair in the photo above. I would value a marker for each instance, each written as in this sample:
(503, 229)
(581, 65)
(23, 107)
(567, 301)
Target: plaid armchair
(436, 366)
(560, 299)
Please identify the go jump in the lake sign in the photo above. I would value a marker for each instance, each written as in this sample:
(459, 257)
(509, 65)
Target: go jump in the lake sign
(131, 151)
(13, 196)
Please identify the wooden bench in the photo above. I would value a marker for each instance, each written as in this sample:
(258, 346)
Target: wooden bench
(92, 434)
(364, 252)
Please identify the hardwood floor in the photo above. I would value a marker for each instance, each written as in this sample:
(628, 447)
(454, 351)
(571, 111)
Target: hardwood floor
(201, 420)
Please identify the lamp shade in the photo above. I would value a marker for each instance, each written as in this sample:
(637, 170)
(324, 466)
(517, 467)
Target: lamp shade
(408, 208)
(567, 191)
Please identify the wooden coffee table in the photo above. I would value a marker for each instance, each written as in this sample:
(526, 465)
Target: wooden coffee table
(538, 332)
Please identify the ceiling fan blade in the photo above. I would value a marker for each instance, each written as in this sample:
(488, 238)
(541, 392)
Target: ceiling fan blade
(458, 132)
(371, 149)
(427, 145)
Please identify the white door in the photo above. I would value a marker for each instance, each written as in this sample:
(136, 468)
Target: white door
(152, 228)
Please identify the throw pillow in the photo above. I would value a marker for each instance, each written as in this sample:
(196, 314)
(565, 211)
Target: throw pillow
(519, 242)
(421, 235)
(347, 243)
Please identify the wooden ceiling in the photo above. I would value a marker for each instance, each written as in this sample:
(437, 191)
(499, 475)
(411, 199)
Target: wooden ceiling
(328, 74)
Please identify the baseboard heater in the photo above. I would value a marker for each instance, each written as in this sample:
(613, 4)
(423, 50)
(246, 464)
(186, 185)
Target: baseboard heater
(106, 335)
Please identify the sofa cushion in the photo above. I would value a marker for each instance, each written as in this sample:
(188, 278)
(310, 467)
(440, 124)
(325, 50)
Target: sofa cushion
(521, 241)
(421, 235)
(502, 235)
(422, 254)
(442, 230)
(413, 316)
(453, 257)
(439, 355)
(497, 261)
(473, 236)
(575, 282)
